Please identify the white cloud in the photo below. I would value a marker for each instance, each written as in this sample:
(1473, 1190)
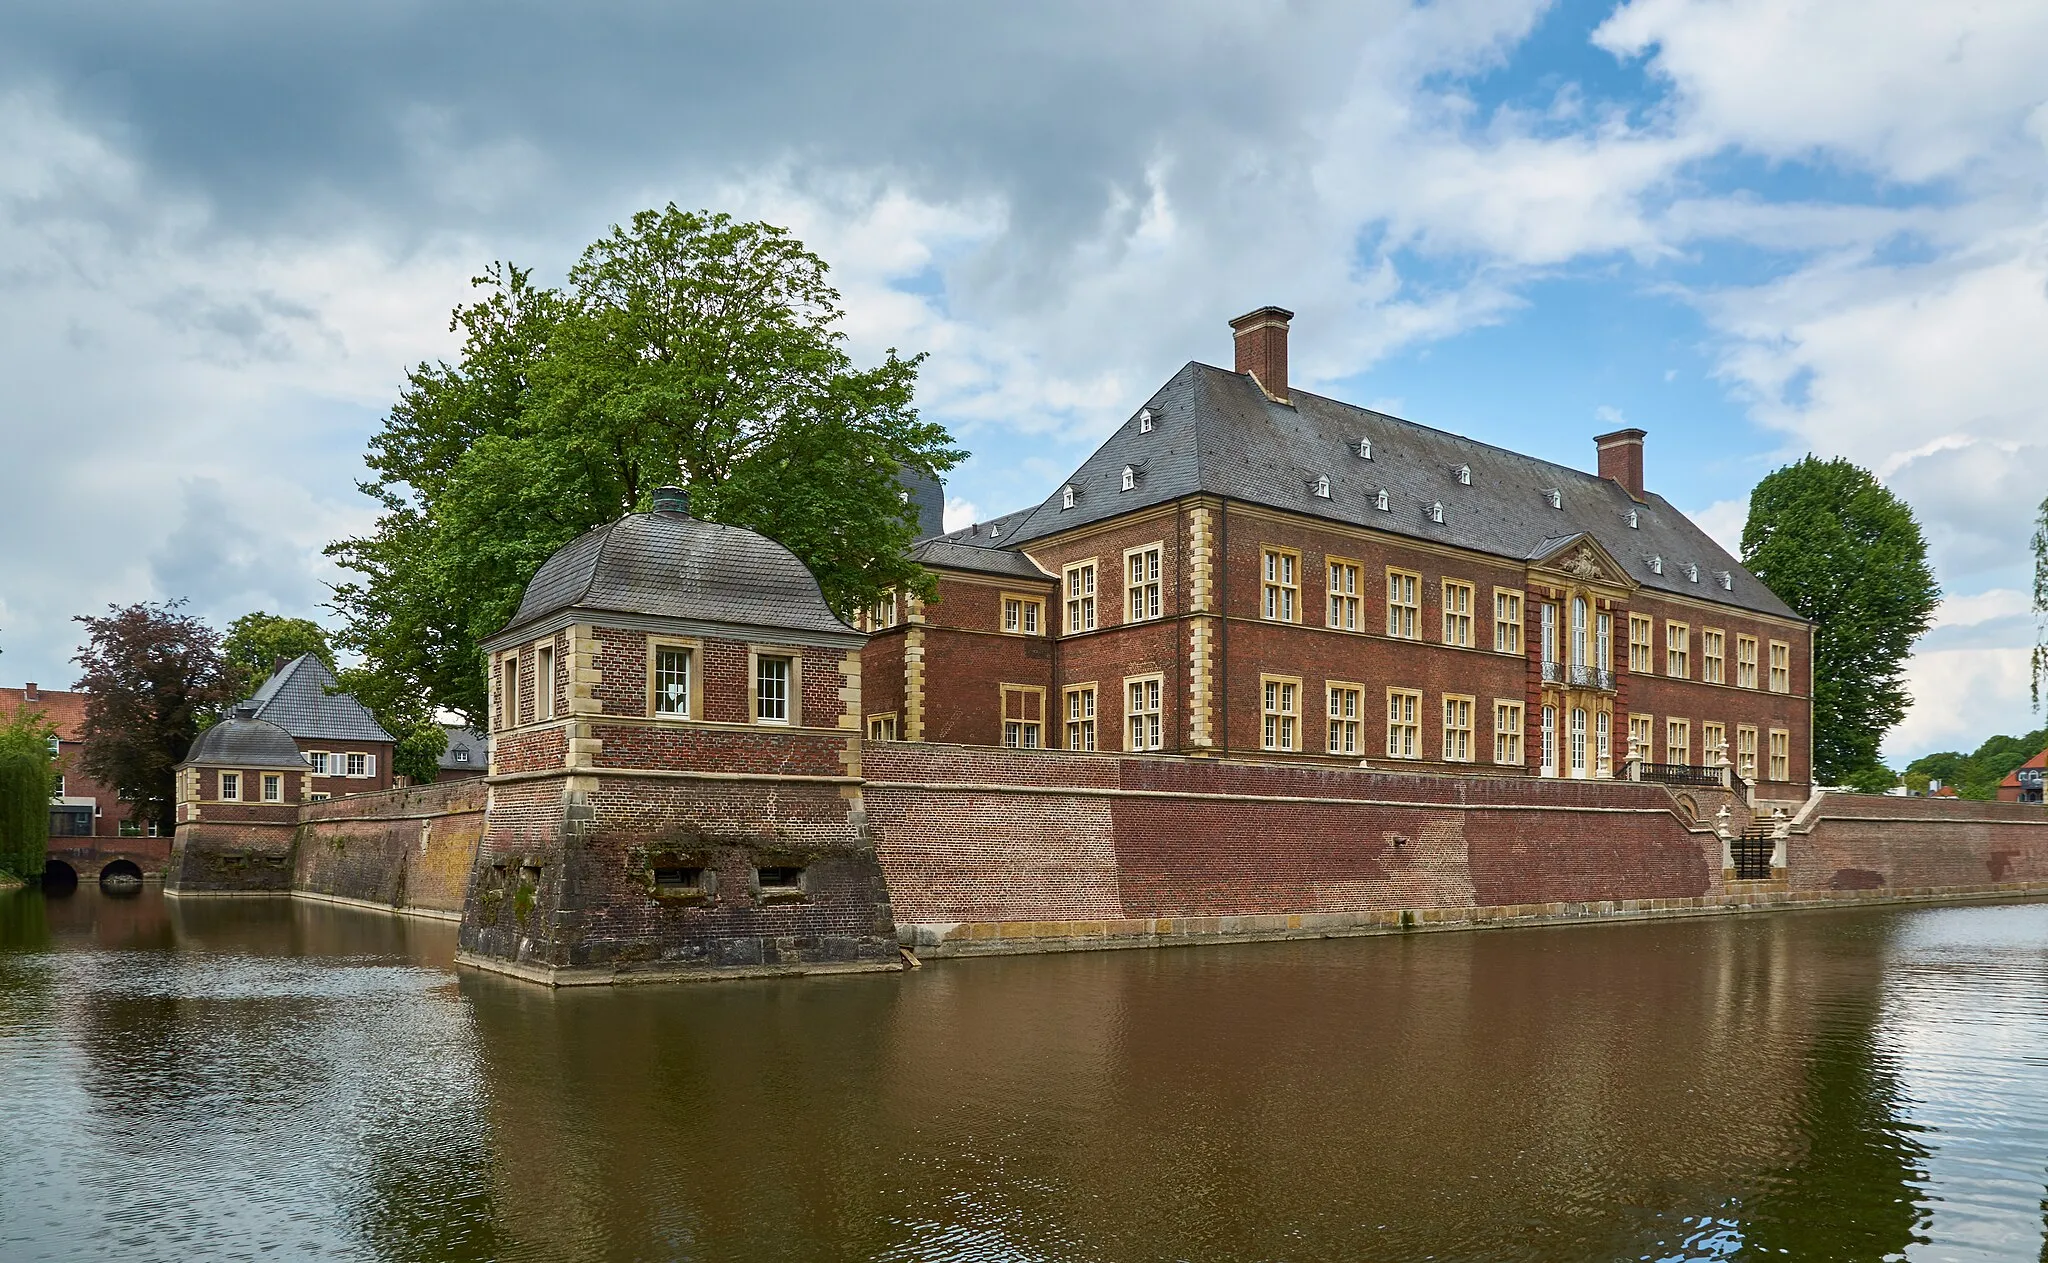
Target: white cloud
(1960, 697)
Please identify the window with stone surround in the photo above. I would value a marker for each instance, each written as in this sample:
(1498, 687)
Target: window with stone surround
(231, 787)
(773, 674)
(1713, 656)
(1023, 715)
(1642, 651)
(1404, 723)
(1457, 613)
(1549, 765)
(1404, 604)
(1080, 582)
(1144, 722)
(1745, 661)
(1281, 584)
(1781, 754)
(1457, 728)
(508, 691)
(1141, 583)
(1507, 622)
(1714, 743)
(544, 681)
(1344, 596)
(1603, 744)
(1745, 751)
(1081, 717)
(1677, 651)
(882, 727)
(358, 765)
(1507, 732)
(1022, 615)
(882, 614)
(1641, 730)
(1781, 667)
(1578, 743)
(1282, 713)
(273, 787)
(1346, 701)
(1678, 741)
(672, 684)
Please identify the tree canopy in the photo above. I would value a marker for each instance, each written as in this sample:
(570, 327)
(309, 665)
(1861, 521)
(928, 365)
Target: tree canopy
(687, 347)
(258, 643)
(27, 779)
(1844, 552)
(1977, 774)
(152, 675)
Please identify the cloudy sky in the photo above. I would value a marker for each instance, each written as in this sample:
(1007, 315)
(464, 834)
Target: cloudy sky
(1755, 228)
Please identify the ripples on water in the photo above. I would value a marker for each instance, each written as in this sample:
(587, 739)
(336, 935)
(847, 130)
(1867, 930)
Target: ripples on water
(259, 1078)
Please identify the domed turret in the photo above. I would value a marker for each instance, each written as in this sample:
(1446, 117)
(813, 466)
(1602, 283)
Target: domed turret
(242, 740)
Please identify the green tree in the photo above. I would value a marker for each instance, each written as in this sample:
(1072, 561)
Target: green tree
(1844, 552)
(1977, 774)
(257, 644)
(688, 348)
(152, 676)
(27, 779)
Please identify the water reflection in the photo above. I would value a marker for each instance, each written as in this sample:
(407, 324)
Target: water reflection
(218, 1076)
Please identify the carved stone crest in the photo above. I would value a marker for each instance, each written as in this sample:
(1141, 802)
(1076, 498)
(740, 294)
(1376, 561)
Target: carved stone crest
(1584, 563)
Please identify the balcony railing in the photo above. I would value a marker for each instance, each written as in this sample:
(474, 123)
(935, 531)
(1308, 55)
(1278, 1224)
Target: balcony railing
(1680, 774)
(1553, 673)
(1578, 676)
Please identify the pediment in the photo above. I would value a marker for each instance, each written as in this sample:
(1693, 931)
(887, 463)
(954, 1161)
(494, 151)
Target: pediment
(1581, 557)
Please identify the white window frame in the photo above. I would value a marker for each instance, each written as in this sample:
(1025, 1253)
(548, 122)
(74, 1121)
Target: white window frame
(1404, 723)
(1023, 615)
(1280, 713)
(1347, 717)
(1145, 712)
(272, 787)
(657, 694)
(1079, 580)
(1080, 716)
(1404, 604)
(759, 696)
(1279, 584)
(1458, 598)
(1142, 583)
(1346, 602)
(230, 780)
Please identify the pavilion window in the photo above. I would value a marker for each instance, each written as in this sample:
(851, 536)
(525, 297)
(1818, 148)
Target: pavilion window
(672, 681)
(771, 690)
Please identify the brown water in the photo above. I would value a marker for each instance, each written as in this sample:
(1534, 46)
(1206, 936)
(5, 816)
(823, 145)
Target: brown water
(262, 1078)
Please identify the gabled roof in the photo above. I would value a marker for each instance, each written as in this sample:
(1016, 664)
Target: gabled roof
(951, 554)
(295, 698)
(1215, 432)
(2012, 778)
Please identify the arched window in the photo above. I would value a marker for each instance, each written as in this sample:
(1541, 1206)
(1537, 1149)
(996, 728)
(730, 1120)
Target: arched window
(1579, 742)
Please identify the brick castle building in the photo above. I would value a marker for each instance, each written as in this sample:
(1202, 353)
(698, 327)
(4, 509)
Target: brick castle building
(1251, 571)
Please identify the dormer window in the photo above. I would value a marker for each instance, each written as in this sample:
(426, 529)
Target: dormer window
(994, 530)
(1365, 449)
(1130, 477)
(1727, 581)
(1144, 420)
(1067, 496)
(1692, 572)
(1556, 498)
(1656, 565)
(1632, 520)
(1323, 487)
(1464, 475)
(1436, 511)
(1380, 501)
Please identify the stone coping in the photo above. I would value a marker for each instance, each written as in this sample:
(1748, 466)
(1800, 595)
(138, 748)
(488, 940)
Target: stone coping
(371, 905)
(633, 976)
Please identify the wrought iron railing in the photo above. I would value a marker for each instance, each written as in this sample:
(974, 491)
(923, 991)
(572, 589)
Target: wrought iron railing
(1585, 677)
(1680, 774)
(1752, 853)
(1553, 673)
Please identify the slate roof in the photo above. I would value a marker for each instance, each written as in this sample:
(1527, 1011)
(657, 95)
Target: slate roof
(668, 564)
(295, 698)
(1215, 432)
(462, 738)
(240, 741)
(951, 554)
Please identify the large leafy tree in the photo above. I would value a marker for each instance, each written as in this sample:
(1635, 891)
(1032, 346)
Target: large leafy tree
(1977, 774)
(27, 779)
(154, 675)
(688, 348)
(258, 643)
(1844, 552)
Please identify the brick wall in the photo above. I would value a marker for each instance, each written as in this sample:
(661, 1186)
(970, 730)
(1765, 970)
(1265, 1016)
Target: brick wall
(403, 849)
(1868, 842)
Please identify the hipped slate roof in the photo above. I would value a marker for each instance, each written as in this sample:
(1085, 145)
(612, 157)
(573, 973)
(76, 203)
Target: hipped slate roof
(667, 564)
(296, 699)
(1215, 432)
(240, 741)
(464, 738)
(953, 555)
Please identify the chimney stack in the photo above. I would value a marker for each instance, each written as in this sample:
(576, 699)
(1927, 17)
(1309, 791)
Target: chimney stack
(29, 694)
(1262, 349)
(1621, 458)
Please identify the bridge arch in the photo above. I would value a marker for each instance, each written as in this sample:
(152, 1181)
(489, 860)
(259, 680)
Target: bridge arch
(59, 877)
(121, 873)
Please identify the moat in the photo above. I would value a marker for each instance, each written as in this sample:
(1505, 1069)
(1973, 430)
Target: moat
(259, 1077)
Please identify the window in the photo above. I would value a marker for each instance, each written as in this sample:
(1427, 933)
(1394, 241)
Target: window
(1781, 667)
(508, 693)
(273, 787)
(1603, 642)
(544, 681)
(1714, 743)
(1547, 623)
(461, 754)
(1781, 755)
(1457, 729)
(1678, 741)
(1081, 717)
(1404, 724)
(318, 798)
(1282, 584)
(1282, 711)
(1021, 614)
(1549, 767)
(1141, 583)
(1081, 597)
(231, 786)
(1642, 654)
(1745, 661)
(55, 744)
(58, 791)
(882, 613)
(1507, 733)
(1143, 727)
(1603, 745)
(783, 880)
(318, 759)
(1023, 716)
(358, 764)
(1641, 728)
(882, 727)
(1404, 605)
(1579, 648)
(1713, 655)
(1507, 622)
(1346, 700)
(771, 689)
(1677, 651)
(672, 666)
(1745, 751)
(1457, 613)
(1344, 595)
(1578, 737)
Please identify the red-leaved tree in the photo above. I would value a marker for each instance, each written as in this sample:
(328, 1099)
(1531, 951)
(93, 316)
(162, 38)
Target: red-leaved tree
(152, 676)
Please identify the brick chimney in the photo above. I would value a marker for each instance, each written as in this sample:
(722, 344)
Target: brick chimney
(1262, 348)
(1621, 458)
(29, 693)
